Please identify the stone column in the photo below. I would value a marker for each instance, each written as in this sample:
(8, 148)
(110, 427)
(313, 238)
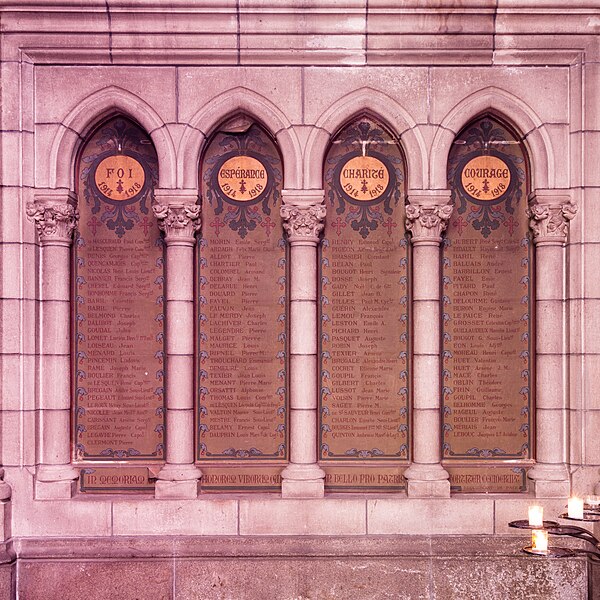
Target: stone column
(550, 212)
(178, 216)
(303, 213)
(55, 217)
(427, 215)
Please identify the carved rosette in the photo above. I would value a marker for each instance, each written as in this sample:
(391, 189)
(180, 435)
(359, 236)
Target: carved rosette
(550, 222)
(53, 221)
(303, 223)
(427, 221)
(178, 221)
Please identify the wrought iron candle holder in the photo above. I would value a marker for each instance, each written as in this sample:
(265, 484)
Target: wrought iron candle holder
(590, 514)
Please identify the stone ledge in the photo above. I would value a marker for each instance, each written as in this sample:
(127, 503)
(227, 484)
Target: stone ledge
(185, 547)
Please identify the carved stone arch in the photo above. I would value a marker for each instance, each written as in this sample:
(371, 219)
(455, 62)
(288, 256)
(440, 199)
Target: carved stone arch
(96, 108)
(509, 109)
(238, 100)
(381, 107)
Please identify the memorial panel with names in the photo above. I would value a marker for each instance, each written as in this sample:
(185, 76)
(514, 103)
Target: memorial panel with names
(242, 300)
(364, 395)
(118, 310)
(487, 311)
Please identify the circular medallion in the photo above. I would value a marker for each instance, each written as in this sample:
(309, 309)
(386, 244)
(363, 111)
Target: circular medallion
(120, 177)
(485, 177)
(364, 178)
(242, 178)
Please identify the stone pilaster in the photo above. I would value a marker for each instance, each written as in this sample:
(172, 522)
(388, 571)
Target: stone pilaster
(303, 212)
(427, 215)
(178, 216)
(550, 212)
(5, 494)
(55, 216)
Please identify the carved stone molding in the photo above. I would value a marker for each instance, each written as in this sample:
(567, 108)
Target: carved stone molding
(550, 222)
(427, 221)
(303, 222)
(178, 221)
(54, 221)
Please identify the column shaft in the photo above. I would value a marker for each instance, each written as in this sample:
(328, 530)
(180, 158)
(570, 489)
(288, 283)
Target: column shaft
(550, 214)
(303, 215)
(179, 219)
(427, 215)
(55, 217)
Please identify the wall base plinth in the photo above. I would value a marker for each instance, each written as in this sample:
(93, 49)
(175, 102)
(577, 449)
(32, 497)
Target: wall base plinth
(551, 489)
(176, 490)
(358, 567)
(303, 481)
(427, 481)
(55, 490)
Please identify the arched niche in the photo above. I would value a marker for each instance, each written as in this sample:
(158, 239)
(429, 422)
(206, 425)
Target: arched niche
(488, 311)
(242, 302)
(117, 310)
(364, 311)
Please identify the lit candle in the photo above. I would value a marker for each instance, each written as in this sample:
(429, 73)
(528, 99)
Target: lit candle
(593, 501)
(536, 516)
(539, 540)
(575, 508)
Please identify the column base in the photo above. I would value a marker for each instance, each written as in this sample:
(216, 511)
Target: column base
(55, 482)
(427, 481)
(550, 481)
(176, 490)
(178, 482)
(303, 481)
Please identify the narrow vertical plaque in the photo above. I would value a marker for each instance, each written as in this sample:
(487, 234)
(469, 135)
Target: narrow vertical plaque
(487, 315)
(364, 358)
(118, 314)
(242, 300)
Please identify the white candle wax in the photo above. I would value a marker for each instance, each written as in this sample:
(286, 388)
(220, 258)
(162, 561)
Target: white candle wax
(536, 516)
(575, 508)
(539, 540)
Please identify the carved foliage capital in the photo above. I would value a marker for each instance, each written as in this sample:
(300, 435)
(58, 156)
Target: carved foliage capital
(427, 221)
(303, 222)
(181, 221)
(53, 221)
(551, 221)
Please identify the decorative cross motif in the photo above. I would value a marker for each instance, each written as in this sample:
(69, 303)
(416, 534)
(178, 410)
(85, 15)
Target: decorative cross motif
(119, 185)
(460, 224)
(93, 224)
(486, 186)
(242, 186)
(268, 225)
(389, 225)
(339, 225)
(146, 224)
(217, 224)
(511, 224)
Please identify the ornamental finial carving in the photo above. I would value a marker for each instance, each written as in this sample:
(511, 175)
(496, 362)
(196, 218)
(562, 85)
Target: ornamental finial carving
(427, 221)
(303, 222)
(551, 221)
(181, 221)
(53, 220)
